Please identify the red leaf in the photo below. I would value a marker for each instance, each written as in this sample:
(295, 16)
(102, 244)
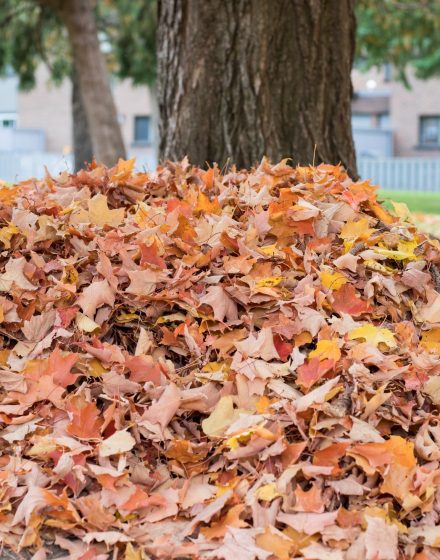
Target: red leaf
(313, 370)
(346, 300)
(150, 255)
(282, 347)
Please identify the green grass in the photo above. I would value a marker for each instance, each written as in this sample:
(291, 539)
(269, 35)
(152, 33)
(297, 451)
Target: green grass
(428, 203)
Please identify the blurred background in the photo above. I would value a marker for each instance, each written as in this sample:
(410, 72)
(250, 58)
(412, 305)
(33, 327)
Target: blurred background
(395, 100)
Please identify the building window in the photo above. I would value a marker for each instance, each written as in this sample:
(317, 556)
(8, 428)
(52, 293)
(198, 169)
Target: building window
(362, 120)
(430, 132)
(7, 123)
(142, 129)
(384, 121)
(8, 120)
(387, 72)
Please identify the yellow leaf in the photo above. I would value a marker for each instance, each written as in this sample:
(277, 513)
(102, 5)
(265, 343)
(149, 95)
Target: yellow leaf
(262, 405)
(85, 324)
(123, 169)
(377, 266)
(401, 210)
(268, 492)
(374, 335)
(95, 368)
(127, 317)
(352, 231)
(332, 280)
(431, 340)
(100, 214)
(234, 441)
(6, 234)
(271, 251)
(220, 418)
(277, 543)
(269, 282)
(408, 246)
(405, 251)
(326, 350)
(132, 553)
(4, 355)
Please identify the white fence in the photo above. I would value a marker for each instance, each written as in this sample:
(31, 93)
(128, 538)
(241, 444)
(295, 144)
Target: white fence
(16, 166)
(415, 174)
(406, 174)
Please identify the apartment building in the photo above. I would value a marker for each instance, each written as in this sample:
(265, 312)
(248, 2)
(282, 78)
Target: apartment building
(40, 120)
(392, 120)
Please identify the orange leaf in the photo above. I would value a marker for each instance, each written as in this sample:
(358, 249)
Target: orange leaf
(59, 366)
(86, 421)
(218, 529)
(206, 206)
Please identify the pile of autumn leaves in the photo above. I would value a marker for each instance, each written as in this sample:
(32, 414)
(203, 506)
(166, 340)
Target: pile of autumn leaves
(239, 366)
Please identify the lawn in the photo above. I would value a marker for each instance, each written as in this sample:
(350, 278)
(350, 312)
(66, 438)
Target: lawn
(425, 207)
(425, 202)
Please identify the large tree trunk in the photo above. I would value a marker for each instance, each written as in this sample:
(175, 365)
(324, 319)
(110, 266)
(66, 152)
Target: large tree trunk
(240, 79)
(79, 19)
(82, 142)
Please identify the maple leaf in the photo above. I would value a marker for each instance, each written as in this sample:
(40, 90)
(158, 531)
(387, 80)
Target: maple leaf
(14, 276)
(374, 335)
(96, 294)
(117, 443)
(218, 529)
(240, 543)
(346, 300)
(326, 350)
(277, 543)
(204, 205)
(162, 411)
(332, 280)
(313, 370)
(143, 282)
(222, 304)
(150, 255)
(259, 346)
(317, 396)
(101, 215)
(220, 418)
(86, 420)
(282, 347)
(122, 170)
(351, 231)
(59, 366)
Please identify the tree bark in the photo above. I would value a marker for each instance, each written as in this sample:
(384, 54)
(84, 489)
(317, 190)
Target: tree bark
(79, 19)
(239, 79)
(82, 142)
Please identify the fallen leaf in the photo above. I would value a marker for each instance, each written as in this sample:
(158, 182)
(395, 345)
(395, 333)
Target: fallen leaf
(117, 443)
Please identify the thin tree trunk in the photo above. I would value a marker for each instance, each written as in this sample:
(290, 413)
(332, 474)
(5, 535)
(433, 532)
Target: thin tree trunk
(82, 142)
(79, 19)
(240, 79)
